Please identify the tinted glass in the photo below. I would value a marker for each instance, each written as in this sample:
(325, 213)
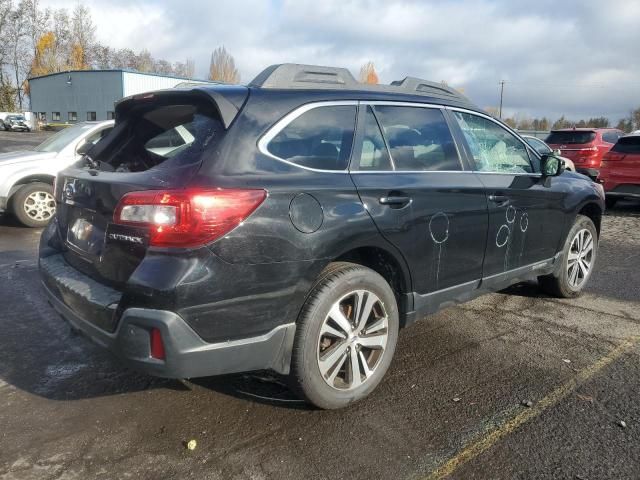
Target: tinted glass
(374, 154)
(627, 145)
(319, 138)
(419, 138)
(611, 137)
(538, 145)
(570, 137)
(493, 148)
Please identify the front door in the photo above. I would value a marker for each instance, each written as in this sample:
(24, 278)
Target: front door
(411, 179)
(525, 210)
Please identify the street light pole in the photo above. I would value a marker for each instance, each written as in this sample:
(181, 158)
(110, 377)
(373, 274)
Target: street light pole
(501, 95)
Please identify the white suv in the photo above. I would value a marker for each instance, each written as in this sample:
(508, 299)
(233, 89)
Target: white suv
(26, 177)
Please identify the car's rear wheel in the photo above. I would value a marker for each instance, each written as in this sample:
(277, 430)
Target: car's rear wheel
(576, 262)
(346, 336)
(611, 202)
(33, 205)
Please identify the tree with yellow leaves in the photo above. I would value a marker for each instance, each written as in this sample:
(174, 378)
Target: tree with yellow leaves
(368, 74)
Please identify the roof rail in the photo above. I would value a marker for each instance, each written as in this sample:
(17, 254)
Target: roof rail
(425, 87)
(293, 75)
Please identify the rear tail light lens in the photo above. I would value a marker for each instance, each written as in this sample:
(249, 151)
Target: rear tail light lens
(187, 218)
(157, 346)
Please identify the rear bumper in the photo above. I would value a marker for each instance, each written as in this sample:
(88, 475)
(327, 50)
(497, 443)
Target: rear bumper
(186, 353)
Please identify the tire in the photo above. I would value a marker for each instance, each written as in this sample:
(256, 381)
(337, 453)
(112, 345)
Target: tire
(340, 288)
(33, 204)
(565, 282)
(610, 202)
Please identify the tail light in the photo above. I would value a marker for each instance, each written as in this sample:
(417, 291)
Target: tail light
(187, 218)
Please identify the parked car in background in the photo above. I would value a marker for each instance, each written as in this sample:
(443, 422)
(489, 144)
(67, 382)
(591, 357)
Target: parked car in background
(16, 123)
(585, 146)
(309, 218)
(543, 149)
(26, 177)
(620, 170)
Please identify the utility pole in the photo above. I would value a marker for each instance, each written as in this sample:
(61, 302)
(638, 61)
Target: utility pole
(501, 95)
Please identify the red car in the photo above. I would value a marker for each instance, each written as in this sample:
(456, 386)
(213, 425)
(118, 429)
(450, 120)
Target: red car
(585, 146)
(620, 170)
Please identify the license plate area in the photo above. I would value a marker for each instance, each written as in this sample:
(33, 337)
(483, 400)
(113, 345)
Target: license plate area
(84, 236)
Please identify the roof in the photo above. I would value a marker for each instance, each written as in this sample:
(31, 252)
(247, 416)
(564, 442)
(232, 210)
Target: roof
(122, 70)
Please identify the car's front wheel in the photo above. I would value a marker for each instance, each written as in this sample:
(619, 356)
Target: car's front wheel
(576, 262)
(33, 204)
(346, 336)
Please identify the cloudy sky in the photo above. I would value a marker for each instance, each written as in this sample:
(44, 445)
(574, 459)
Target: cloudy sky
(578, 58)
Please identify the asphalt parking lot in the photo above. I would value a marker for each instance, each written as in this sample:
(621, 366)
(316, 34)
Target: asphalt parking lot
(451, 405)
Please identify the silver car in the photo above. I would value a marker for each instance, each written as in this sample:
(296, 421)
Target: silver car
(26, 177)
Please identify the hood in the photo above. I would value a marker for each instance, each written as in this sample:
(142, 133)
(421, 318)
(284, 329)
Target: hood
(25, 156)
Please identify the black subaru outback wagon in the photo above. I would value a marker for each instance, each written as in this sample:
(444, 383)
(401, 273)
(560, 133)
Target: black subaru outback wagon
(295, 224)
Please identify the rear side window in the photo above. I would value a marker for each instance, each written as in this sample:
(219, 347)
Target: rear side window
(374, 155)
(627, 145)
(320, 138)
(418, 138)
(570, 137)
(611, 137)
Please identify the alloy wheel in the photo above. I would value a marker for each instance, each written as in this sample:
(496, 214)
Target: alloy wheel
(352, 340)
(580, 258)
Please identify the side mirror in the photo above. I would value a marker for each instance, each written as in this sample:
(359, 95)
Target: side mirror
(84, 148)
(551, 166)
(557, 152)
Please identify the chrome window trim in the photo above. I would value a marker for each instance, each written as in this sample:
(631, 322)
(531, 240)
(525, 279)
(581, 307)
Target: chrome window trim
(391, 103)
(280, 125)
(508, 129)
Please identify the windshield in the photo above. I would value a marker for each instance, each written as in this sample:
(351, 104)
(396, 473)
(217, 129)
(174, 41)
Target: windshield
(17, 118)
(570, 137)
(60, 140)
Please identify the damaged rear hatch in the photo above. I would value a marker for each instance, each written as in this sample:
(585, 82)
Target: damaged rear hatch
(156, 147)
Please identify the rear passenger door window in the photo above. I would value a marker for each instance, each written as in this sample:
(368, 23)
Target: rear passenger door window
(418, 138)
(320, 138)
(493, 148)
(374, 155)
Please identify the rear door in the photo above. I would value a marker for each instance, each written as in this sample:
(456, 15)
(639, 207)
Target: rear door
(525, 211)
(412, 180)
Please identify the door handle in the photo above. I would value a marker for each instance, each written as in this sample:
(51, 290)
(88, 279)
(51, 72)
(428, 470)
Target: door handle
(500, 200)
(395, 201)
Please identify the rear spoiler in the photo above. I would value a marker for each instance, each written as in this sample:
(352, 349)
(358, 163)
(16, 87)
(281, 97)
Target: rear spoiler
(227, 99)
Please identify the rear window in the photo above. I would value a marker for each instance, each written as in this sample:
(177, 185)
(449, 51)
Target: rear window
(162, 136)
(320, 138)
(627, 145)
(570, 137)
